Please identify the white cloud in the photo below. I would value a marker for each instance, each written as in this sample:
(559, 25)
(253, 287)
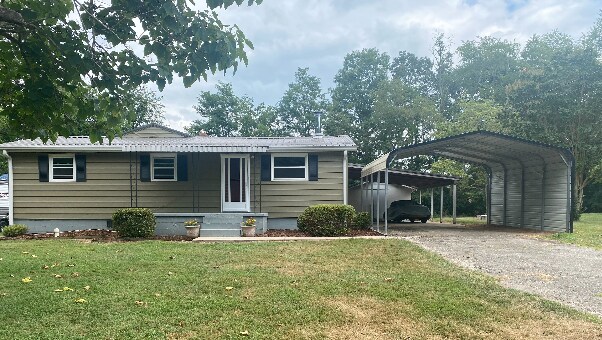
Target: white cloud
(319, 33)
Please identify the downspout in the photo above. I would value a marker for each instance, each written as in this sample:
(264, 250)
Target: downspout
(345, 176)
(11, 215)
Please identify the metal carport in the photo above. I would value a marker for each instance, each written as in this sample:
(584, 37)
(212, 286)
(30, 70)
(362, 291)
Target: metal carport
(530, 183)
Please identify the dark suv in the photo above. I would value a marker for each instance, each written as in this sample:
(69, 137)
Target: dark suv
(408, 210)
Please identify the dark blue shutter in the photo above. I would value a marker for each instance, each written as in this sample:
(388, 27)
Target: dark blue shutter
(312, 167)
(145, 173)
(80, 168)
(182, 164)
(43, 168)
(266, 167)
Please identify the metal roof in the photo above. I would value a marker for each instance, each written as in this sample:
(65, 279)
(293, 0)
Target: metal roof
(415, 179)
(187, 144)
(478, 147)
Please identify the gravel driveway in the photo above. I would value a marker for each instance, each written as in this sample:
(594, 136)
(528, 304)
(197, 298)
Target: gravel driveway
(565, 273)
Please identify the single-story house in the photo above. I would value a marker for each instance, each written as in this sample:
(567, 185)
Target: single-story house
(73, 183)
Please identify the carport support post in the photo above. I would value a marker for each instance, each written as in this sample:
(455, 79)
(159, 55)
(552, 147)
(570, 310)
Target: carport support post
(441, 207)
(454, 201)
(386, 201)
(361, 193)
(432, 204)
(420, 196)
(372, 199)
(378, 203)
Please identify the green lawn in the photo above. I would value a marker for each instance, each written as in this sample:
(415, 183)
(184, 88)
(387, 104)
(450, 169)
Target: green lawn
(587, 232)
(368, 289)
(463, 220)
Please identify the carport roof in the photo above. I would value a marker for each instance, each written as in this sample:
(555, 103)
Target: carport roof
(478, 147)
(416, 179)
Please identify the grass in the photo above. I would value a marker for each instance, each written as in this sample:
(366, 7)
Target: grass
(587, 232)
(463, 220)
(369, 289)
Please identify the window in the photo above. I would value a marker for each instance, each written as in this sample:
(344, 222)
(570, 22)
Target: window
(289, 167)
(62, 168)
(164, 168)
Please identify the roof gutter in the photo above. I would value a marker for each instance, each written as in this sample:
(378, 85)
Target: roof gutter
(63, 149)
(11, 216)
(312, 149)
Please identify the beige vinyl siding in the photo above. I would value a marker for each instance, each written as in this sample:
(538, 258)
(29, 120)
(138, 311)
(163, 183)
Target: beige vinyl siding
(108, 188)
(288, 199)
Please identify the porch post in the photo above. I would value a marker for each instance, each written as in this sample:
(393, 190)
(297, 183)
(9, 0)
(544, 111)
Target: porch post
(420, 196)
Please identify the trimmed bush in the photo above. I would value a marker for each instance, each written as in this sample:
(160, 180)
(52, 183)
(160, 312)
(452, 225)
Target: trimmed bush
(14, 230)
(134, 222)
(362, 221)
(326, 220)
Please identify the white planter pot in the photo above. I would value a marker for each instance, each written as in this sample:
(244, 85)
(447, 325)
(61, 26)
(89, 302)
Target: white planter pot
(192, 230)
(248, 231)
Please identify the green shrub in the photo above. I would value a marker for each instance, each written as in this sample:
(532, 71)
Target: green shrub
(362, 221)
(14, 230)
(326, 220)
(134, 222)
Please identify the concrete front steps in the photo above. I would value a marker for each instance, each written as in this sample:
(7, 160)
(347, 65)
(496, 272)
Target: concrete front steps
(212, 224)
(221, 225)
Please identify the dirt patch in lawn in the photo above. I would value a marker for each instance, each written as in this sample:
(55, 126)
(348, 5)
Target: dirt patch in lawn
(369, 318)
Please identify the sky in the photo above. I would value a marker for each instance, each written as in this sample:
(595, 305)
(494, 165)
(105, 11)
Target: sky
(288, 34)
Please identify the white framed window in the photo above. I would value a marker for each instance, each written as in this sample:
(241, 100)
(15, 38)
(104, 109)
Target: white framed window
(289, 167)
(61, 168)
(164, 167)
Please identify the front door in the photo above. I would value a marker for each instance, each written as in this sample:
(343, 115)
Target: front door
(235, 183)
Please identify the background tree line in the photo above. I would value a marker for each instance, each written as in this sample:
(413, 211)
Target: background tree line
(68, 67)
(549, 90)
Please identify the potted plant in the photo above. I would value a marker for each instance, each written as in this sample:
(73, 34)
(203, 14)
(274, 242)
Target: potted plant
(192, 227)
(248, 227)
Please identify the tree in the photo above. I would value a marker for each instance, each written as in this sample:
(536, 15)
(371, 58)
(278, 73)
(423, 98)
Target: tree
(53, 52)
(362, 73)
(262, 121)
(143, 106)
(559, 96)
(487, 66)
(301, 100)
(220, 112)
(443, 64)
(414, 72)
(402, 117)
(225, 114)
(353, 97)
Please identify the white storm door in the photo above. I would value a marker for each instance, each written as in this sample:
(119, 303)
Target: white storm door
(235, 183)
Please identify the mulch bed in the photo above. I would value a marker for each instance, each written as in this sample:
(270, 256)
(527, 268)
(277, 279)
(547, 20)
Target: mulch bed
(101, 235)
(297, 233)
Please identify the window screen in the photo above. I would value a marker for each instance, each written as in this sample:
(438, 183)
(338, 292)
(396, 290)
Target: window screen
(164, 168)
(289, 168)
(63, 168)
